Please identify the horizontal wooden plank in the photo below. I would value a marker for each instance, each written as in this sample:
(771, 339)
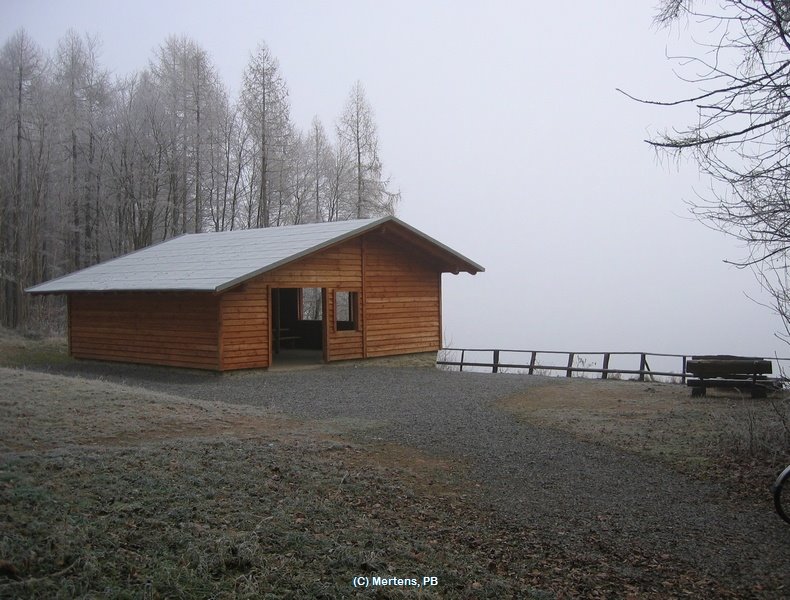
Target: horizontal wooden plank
(403, 339)
(143, 342)
(152, 348)
(246, 364)
(146, 307)
(152, 324)
(401, 312)
(236, 318)
(245, 355)
(407, 291)
(404, 321)
(241, 334)
(335, 350)
(391, 350)
(394, 339)
(345, 342)
(163, 359)
(244, 305)
(231, 347)
(142, 313)
(259, 325)
(141, 350)
(106, 331)
(355, 356)
(373, 299)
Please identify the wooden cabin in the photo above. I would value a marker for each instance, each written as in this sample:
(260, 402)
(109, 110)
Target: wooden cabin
(240, 299)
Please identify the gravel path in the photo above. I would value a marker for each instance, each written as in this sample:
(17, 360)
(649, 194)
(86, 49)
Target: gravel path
(595, 502)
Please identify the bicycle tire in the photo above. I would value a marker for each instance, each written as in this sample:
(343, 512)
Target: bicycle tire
(781, 491)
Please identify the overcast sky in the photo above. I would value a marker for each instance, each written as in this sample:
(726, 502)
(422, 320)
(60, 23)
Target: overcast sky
(500, 124)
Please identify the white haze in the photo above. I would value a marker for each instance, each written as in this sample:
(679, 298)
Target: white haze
(501, 125)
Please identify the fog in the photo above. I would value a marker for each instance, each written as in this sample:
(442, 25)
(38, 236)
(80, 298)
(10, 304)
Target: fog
(501, 125)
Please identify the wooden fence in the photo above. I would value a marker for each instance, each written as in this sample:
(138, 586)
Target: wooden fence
(531, 366)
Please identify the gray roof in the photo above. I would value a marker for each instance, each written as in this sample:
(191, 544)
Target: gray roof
(216, 261)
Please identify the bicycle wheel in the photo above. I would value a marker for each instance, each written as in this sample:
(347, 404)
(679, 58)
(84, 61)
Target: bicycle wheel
(781, 492)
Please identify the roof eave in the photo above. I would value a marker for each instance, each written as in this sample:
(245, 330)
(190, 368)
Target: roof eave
(467, 265)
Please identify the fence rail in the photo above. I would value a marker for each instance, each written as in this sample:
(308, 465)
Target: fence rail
(573, 364)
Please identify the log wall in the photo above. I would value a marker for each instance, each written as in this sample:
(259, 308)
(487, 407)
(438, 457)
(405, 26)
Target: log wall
(175, 329)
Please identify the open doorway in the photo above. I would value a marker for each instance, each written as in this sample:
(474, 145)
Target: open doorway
(297, 326)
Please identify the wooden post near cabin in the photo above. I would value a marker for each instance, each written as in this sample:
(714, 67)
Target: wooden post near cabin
(569, 372)
(605, 372)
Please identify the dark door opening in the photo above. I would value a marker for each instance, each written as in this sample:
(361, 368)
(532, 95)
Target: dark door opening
(297, 325)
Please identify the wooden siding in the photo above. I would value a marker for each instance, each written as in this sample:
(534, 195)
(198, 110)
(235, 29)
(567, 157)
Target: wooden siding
(244, 326)
(399, 312)
(400, 297)
(175, 329)
(338, 268)
(343, 345)
(402, 301)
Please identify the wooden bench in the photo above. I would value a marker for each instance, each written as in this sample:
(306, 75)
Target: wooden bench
(736, 372)
(288, 341)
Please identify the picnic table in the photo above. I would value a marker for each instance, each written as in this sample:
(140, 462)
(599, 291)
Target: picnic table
(736, 372)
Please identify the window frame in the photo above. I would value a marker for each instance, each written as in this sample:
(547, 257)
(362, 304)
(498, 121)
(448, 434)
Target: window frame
(353, 312)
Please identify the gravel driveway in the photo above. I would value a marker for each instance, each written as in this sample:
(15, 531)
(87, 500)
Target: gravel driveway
(595, 503)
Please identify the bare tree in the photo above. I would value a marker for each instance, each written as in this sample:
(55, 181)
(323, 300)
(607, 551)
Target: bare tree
(81, 89)
(741, 137)
(264, 98)
(22, 81)
(191, 96)
(138, 166)
(227, 163)
(357, 130)
(93, 167)
(320, 165)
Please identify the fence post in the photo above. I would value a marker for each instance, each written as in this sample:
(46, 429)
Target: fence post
(532, 363)
(569, 372)
(605, 372)
(683, 372)
(495, 367)
(463, 352)
(642, 364)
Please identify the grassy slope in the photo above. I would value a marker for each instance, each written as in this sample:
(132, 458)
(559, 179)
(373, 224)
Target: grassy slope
(256, 506)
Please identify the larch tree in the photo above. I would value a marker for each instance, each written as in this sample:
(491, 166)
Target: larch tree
(138, 166)
(191, 94)
(320, 162)
(357, 131)
(264, 99)
(81, 89)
